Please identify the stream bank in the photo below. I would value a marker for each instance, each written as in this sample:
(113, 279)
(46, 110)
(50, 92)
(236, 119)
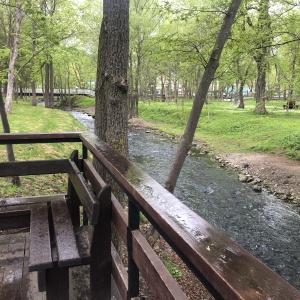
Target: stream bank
(279, 175)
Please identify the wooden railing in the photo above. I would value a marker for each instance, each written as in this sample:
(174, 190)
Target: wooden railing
(78, 91)
(225, 268)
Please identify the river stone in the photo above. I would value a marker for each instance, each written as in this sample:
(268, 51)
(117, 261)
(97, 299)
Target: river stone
(243, 178)
(257, 188)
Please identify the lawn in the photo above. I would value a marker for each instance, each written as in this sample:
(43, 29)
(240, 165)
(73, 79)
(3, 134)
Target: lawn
(26, 118)
(226, 128)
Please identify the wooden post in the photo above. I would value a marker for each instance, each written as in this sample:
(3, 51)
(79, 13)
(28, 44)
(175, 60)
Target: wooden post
(100, 267)
(133, 271)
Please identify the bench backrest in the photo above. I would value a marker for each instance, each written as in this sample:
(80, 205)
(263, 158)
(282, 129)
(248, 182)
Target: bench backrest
(86, 196)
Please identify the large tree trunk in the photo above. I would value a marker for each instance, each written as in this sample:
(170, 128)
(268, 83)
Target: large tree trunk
(12, 60)
(33, 87)
(111, 111)
(201, 94)
(260, 87)
(111, 114)
(6, 129)
(47, 85)
(241, 95)
(51, 84)
(261, 57)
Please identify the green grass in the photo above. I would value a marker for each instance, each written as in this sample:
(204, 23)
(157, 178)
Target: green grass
(26, 118)
(84, 101)
(172, 268)
(226, 128)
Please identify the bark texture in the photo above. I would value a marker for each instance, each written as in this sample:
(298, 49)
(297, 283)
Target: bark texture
(201, 94)
(111, 85)
(261, 56)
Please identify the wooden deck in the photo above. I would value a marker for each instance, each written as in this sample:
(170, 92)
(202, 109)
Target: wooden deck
(17, 283)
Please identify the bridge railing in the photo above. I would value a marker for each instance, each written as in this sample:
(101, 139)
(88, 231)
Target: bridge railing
(224, 267)
(85, 92)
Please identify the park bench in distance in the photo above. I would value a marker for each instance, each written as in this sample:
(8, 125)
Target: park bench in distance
(290, 105)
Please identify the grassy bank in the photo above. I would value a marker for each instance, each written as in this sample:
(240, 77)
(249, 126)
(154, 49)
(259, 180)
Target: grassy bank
(26, 118)
(226, 128)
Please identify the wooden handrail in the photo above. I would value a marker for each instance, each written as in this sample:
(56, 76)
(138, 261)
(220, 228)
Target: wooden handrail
(228, 271)
(29, 138)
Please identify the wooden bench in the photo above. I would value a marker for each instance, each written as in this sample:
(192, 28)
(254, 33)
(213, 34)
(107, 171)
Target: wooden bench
(290, 105)
(58, 238)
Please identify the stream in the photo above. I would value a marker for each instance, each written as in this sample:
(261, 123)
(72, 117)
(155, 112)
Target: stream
(264, 225)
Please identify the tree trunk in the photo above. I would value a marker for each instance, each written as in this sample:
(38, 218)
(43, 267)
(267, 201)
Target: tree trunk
(33, 87)
(9, 148)
(261, 57)
(111, 109)
(12, 60)
(47, 85)
(111, 85)
(260, 94)
(51, 85)
(201, 94)
(241, 95)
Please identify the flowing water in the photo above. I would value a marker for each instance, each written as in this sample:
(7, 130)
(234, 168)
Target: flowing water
(259, 222)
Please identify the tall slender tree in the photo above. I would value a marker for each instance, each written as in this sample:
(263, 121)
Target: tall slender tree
(6, 129)
(13, 58)
(262, 54)
(201, 94)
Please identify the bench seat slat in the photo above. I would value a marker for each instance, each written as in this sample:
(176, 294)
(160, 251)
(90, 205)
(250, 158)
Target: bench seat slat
(64, 235)
(40, 247)
(9, 203)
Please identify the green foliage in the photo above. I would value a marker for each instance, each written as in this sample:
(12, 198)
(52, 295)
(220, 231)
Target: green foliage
(84, 101)
(143, 219)
(229, 129)
(173, 269)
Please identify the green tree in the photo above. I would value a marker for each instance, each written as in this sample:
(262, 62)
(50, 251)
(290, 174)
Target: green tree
(201, 94)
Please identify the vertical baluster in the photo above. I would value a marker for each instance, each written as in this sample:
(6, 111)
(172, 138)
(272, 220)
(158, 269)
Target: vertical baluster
(133, 271)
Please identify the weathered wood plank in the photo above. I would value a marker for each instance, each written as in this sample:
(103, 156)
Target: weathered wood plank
(119, 273)
(64, 235)
(22, 168)
(29, 138)
(101, 249)
(4, 246)
(119, 216)
(30, 283)
(40, 247)
(86, 196)
(83, 236)
(162, 284)
(119, 219)
(93, 176)
(30, 200)
(12, 275)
